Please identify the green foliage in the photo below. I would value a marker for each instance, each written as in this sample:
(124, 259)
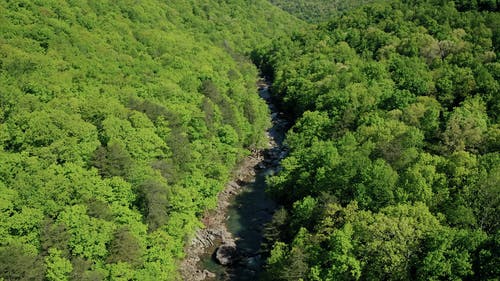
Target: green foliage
(317, 10)
(112, 160)
(58, 268)
(393, 162)
(119, 124)
(466, 126)
(125, 248)
(153, 201)
(18, 264)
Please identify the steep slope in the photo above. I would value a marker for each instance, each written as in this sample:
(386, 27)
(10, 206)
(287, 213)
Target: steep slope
(394, 164)
(119, 123)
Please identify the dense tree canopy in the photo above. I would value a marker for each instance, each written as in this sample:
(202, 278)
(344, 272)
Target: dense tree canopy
(120, 121)
(393, 164)
(317, 10)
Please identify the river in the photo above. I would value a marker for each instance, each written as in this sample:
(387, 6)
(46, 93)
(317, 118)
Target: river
(235, 230)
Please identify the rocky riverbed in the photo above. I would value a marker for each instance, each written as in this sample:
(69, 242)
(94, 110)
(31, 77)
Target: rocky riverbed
(228, 248)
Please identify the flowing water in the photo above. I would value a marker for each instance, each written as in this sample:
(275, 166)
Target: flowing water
(251, 209)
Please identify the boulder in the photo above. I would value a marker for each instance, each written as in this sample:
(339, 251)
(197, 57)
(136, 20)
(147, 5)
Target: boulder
(209, 274)
(226, 254)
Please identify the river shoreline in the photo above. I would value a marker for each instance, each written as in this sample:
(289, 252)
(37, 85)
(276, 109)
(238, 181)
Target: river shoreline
(215, 231)
(216, 234)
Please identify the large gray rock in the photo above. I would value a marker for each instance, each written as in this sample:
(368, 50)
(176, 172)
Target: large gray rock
(226, 254)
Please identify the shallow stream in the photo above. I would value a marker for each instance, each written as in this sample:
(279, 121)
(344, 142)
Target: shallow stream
(250, 209)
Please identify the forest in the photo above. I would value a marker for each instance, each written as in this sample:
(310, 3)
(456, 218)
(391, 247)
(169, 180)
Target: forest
(121, 121)
(394, 164)
(317, 11)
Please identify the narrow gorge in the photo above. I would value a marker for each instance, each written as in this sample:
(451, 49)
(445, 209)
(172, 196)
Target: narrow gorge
(229, 247)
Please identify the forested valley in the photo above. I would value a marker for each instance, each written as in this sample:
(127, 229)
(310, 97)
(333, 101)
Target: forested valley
(121, 121)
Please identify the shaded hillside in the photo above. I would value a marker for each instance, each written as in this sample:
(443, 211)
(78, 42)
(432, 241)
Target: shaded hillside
(317, 10)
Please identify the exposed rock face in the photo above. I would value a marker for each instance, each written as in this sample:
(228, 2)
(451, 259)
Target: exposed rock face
(226, 254)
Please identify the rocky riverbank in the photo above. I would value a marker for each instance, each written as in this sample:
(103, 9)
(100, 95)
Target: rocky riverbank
(215, 239)
(215, 231)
